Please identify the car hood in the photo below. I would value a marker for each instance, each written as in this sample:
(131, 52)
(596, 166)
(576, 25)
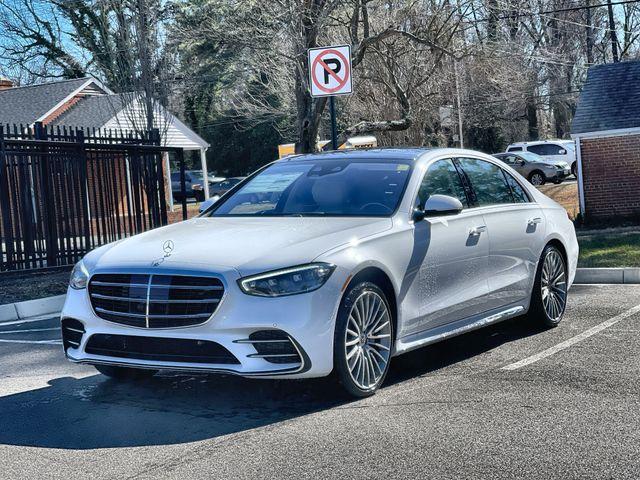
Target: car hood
(248, 245)
(552, 161)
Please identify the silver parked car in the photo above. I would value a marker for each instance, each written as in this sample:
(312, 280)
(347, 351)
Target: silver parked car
(535, 168)
(335, 262)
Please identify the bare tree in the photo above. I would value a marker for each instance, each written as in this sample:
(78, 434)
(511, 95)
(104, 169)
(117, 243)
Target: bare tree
(275, 36)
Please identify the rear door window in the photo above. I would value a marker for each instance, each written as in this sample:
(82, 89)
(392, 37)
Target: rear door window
(514, 149)
(487, 184)
(547, 149)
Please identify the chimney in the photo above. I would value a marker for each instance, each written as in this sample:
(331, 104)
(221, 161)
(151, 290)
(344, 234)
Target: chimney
(5, 84)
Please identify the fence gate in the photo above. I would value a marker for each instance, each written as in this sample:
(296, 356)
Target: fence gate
(68, 193)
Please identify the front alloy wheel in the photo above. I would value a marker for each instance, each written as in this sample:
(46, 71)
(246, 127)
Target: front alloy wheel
(363, 340)
(549, 298)
(537, 179)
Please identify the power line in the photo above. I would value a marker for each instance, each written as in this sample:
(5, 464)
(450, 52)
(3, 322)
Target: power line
(558, 10)
(534, 97)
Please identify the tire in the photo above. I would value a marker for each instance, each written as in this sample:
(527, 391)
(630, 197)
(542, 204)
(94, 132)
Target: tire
(537, 178)
(574, 169)
(557, 182)
(199, 196)
(125, 373)
(549, 296)
(361, 362)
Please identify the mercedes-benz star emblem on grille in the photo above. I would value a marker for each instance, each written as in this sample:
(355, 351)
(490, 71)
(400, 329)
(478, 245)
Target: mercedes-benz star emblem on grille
(168, 246)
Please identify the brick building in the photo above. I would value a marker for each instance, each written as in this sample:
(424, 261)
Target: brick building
(606, 129)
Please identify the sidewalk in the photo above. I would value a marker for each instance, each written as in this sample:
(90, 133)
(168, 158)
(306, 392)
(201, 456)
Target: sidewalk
(31, 308)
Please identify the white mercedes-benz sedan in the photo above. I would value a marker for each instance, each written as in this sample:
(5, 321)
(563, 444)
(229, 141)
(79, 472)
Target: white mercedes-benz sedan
(324, 264)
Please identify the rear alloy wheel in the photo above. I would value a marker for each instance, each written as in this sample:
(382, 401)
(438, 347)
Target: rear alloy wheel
(363, 340)
(549, 297)
(537, 179)
(125, 373)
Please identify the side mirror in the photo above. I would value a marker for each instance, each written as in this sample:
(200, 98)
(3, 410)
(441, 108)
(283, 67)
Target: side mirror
(521, 162)
(438, 205)
(207, 203)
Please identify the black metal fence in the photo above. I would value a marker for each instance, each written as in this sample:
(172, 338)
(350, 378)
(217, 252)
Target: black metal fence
(66, 191)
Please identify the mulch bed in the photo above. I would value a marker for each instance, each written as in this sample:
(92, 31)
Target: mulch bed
(17, 287)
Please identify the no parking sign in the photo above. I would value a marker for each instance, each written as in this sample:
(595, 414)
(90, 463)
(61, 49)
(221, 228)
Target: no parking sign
(330, 71)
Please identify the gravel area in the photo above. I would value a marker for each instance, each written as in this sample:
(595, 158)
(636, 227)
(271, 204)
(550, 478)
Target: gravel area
(17, 287)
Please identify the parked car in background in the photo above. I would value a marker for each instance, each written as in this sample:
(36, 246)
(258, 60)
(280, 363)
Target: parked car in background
(194, 184)
(535, 168)
(333, 262)
(554, 151)
(224, 186)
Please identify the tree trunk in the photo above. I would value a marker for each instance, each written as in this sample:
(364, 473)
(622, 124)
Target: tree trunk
(532, 118)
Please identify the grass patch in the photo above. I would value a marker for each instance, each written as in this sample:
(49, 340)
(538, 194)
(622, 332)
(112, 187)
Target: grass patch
(621, 250)
(17, 287)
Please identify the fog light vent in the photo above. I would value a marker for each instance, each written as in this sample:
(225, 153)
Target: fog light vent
(72, 332)
(274, 346)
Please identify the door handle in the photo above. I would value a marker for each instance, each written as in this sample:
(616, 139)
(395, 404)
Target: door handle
(533, 221)
(477, 230)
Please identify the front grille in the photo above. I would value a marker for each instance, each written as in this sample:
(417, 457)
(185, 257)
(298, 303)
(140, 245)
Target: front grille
(155, 301)
(275, 346)
(159, 349)
(72, 332)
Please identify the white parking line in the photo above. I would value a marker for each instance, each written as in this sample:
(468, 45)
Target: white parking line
(30, 320)
(573, 340)
(40, 342)
(2, 332)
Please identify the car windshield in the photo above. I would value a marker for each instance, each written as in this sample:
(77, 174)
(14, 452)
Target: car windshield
(344, 187)
(531, 157)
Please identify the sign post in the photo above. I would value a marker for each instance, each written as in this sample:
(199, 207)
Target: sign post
(330, 75)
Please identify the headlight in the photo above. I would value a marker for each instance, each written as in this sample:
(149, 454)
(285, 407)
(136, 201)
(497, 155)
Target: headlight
(79, 276)
(289, 281)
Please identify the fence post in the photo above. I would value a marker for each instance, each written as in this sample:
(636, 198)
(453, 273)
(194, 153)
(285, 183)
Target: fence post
(83, 162)
(6, 235)
(183, 187)
(48, 207)
(155, 136)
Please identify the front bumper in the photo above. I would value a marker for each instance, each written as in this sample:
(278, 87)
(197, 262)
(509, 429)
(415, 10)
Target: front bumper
(558, 174)
(307, 319)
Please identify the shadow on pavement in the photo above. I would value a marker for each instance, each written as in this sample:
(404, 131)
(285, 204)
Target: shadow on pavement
(95, 412)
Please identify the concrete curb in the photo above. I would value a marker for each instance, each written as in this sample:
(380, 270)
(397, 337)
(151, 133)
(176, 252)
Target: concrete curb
(608, 275)
(31, 308)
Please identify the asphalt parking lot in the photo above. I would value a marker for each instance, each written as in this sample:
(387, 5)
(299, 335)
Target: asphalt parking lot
(509, 401)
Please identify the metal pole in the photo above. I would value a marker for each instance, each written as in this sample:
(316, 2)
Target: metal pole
(205, 172)
(455, 71)
(183, 186)
(612, 33)
(334, 127)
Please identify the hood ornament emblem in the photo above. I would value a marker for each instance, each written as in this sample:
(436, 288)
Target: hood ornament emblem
(167, 248)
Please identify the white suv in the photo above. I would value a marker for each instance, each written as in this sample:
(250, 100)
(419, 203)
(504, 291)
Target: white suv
(554, 151)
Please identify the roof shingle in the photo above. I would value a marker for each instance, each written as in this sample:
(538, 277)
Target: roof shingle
(28, 104)
(610, 99)
(93, 112)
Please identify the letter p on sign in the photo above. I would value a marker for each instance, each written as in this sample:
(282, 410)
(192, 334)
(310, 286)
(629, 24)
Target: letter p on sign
(330, 71)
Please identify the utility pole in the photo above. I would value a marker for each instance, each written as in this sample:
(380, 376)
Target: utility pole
(455, 72)
(612, 33)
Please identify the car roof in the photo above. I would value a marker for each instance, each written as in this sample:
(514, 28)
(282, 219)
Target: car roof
(390, 154)
(538, 142)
